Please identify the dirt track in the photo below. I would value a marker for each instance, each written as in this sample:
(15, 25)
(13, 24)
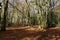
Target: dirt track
(25, 34)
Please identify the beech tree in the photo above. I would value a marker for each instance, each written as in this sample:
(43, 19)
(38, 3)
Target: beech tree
(3, 28)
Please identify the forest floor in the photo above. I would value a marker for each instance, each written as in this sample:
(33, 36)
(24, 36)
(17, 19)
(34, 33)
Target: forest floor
(30, 33)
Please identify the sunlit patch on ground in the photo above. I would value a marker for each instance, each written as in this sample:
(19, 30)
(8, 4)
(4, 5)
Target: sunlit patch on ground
(27, 38)
(34, 28)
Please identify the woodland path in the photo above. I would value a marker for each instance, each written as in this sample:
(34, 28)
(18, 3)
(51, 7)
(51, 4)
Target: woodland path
(30, 33)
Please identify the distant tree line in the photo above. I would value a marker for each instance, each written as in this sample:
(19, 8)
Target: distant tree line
(28, 13)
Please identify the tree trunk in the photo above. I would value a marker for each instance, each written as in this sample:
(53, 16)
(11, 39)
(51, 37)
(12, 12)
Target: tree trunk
(3, 28)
